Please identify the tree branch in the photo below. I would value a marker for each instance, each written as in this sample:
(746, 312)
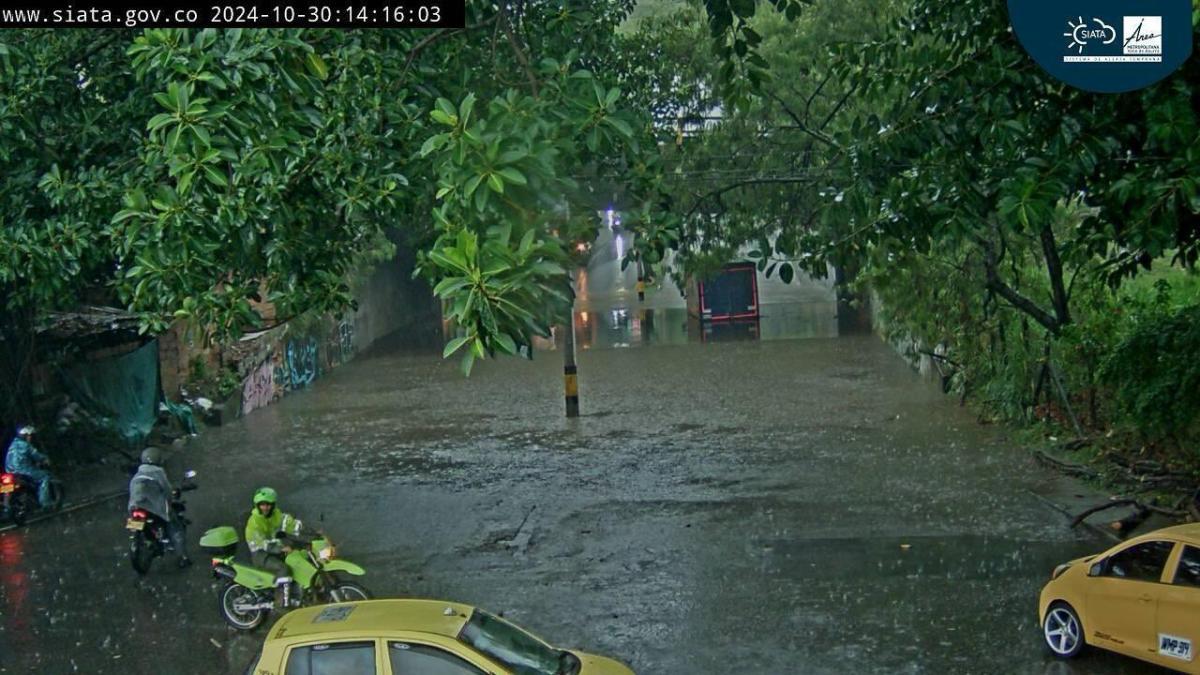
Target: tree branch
(743, 183)
(520, 53)
(800, 123)
(1054, 269)
(996, 285)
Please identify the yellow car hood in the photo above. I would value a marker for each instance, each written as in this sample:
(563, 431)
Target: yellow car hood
(600, 665)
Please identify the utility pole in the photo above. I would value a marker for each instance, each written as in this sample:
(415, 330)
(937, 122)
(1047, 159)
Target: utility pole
(570, 372)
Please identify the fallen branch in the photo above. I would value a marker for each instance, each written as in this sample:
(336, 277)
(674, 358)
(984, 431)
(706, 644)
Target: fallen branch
(1129, 522)
(1066, 467)
(1096, 509)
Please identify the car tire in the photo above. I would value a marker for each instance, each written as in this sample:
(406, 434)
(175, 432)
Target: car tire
(1062, 631)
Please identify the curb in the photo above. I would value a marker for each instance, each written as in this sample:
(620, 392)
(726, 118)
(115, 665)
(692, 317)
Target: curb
(1096, 529)
(67, 509)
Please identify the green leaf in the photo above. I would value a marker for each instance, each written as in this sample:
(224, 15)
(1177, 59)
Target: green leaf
(472, 183)
(495, 183)
(446, 287)
(505, 343)
(160, 120)
(512, 176)
(456, 344)
(316, 66)
(215, 177)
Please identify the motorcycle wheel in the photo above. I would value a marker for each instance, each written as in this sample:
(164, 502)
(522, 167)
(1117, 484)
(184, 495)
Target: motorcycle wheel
(233, 593)
(56, 496)
(348, 591)
(18, 508)
(141, 553)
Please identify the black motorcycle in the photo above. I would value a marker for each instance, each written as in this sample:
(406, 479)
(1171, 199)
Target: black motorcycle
(149, 536)
(18, 497)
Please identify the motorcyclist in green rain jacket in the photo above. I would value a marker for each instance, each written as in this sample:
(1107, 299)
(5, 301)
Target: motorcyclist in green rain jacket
(266, 521)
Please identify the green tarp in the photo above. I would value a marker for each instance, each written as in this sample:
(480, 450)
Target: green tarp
(123, 389)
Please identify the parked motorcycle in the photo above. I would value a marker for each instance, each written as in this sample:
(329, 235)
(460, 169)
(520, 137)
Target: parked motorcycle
(18, 497)
(248, 594)
(148, 534)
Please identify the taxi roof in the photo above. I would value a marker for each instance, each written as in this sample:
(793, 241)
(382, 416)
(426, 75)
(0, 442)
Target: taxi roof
(1188, 533)
(369, 617)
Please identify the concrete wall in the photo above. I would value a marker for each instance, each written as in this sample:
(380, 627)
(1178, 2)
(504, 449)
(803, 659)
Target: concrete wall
(273, 363)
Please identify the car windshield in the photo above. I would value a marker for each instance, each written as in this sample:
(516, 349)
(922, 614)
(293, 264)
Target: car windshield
(503, 642)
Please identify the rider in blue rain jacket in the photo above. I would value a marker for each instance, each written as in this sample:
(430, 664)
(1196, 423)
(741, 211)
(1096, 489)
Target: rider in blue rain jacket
(24, 460)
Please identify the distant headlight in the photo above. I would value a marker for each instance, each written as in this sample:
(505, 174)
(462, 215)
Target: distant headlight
(1059, 570)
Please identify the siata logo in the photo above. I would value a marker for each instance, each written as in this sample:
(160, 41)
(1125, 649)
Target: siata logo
(1108, 46)
(1082, 33)
(1143, 36)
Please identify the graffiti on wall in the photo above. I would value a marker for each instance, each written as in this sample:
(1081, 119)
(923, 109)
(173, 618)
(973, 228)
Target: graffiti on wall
(259, 387)
(296, 363)
(302, 362)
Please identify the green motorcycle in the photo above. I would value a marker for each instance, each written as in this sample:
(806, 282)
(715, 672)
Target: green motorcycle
(249, 593)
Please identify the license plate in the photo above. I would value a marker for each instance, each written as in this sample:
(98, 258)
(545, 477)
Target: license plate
(5, 489)
(1175, 647)
(132, 524)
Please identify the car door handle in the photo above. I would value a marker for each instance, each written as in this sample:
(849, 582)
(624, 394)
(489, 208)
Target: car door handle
(1146, 597)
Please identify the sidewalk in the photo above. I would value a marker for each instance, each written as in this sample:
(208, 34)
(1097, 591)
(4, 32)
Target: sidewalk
(1071, 496)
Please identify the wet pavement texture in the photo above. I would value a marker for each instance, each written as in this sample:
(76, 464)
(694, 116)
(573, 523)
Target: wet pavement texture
(722, 506)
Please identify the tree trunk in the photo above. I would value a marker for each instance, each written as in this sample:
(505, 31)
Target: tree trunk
(1054, 270)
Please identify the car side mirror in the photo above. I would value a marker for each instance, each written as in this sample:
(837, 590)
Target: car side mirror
(1096, 569)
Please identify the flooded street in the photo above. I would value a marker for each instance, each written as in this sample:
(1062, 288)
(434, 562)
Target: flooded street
(756, 497)
(744, 506)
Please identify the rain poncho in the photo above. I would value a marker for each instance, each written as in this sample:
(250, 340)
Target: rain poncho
(150, 490)
(23, 458)
(260, 530)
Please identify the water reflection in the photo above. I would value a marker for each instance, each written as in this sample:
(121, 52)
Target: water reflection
(14, 582)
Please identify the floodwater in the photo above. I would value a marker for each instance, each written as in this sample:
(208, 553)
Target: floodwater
(771, 500)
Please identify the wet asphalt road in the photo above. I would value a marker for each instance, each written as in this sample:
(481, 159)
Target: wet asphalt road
(721, 507)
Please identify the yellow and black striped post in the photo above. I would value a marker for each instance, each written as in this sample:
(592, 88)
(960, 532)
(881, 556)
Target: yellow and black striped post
(570, 372)
(571, 388)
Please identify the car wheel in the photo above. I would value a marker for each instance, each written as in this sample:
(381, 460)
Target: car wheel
(1063, 631)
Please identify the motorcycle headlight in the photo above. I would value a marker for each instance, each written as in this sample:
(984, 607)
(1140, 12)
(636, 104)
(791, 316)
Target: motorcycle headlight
(325, 553)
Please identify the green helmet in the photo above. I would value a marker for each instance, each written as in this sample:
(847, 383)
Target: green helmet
(265, 494)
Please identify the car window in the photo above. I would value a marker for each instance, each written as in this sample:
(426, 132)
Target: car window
(410, 659)
(341, 658)
(1143, 562)
(1188, 572)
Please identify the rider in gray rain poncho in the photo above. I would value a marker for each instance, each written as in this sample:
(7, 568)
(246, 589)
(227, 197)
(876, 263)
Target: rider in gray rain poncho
(151, 490)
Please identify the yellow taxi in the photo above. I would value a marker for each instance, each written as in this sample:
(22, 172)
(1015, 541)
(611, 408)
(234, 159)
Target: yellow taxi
(1140, 598)
(418, 637)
